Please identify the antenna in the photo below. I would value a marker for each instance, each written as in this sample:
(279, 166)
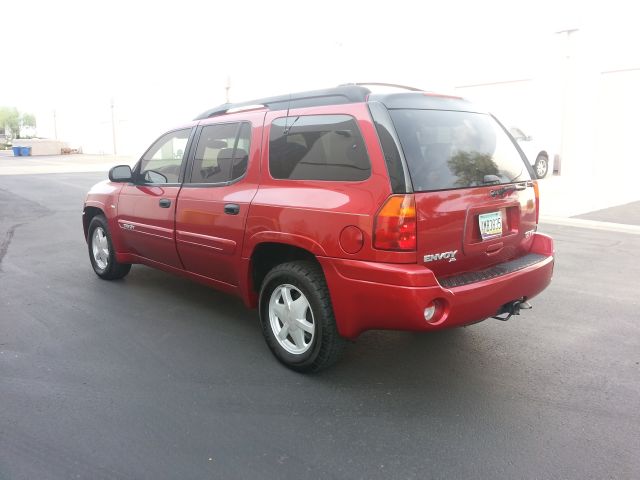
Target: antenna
(227, 88)
(286, 119)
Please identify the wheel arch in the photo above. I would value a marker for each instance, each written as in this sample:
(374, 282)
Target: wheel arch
(322, 348)
(87, 215)
(266, 255)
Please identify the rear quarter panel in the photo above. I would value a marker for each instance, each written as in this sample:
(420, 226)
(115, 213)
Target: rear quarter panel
(312, 214)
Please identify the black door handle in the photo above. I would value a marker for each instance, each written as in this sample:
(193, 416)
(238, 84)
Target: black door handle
(231, 209)
(164, 203)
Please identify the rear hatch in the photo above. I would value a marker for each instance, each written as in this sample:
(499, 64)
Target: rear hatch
(475, 198)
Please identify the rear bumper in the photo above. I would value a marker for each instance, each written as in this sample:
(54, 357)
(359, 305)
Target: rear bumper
(369, 295)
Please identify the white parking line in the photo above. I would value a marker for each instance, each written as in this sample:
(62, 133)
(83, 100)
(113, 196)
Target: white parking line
(591, 224)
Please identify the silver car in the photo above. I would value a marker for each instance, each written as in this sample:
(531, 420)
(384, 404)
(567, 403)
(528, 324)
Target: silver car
(539, 155)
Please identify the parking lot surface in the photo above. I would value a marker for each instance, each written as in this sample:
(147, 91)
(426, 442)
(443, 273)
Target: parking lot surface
(158, 377)
(625, 214)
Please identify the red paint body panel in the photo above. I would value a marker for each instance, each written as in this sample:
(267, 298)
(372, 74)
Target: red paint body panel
(320, 210)
(104, 197)
(153, 233)
(369, 288)
(448, 220)
(209, 241)
(222, 286)
(369, 295)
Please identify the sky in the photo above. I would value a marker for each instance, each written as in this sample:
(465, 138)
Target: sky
(162, 63)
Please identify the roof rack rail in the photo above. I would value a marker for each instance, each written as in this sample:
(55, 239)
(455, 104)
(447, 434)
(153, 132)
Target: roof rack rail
(379, 84)
(244, 108)
(314, 98)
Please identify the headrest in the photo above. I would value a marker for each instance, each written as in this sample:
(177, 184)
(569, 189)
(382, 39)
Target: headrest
(240, 154)
(225, 154)
(216, 144)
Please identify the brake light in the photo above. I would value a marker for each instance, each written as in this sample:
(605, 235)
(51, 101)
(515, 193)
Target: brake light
(395, 224)
(536, 191)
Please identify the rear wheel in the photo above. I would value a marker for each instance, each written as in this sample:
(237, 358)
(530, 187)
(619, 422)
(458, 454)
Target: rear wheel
(101, 253)
(297, 317)
(541, 166)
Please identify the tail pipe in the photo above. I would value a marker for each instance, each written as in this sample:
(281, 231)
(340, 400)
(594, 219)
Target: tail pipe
(512, 308)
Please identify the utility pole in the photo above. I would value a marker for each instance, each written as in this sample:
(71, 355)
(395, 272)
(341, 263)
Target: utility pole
(113, 129)
(227, 88)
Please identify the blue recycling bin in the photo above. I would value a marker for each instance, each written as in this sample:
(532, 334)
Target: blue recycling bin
(25, 151)
(16, 151)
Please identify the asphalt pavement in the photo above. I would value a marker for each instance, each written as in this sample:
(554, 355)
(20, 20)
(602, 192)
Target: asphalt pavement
(628, 213)
(156, 377)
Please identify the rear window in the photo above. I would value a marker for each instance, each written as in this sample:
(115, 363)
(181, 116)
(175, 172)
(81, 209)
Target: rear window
(317, 147)
(447, 150)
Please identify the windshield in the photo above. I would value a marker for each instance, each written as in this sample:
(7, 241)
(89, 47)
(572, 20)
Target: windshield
(448, 149)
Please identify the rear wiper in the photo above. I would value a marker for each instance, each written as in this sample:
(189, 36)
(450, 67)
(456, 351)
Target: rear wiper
(508, 188)
(491, 179)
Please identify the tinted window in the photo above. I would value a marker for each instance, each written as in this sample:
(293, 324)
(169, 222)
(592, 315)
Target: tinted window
(162, 162)
(447, 149)
(390, 147)
(222, 154)
(317, 147)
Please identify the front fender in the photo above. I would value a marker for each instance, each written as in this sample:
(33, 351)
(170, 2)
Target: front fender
(104, 197)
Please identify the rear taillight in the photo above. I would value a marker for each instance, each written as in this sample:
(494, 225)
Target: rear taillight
(536, 191)
(395, 224)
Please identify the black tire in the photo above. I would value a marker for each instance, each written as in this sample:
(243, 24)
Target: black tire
(104, 264)
(541, 166)
(325, 343)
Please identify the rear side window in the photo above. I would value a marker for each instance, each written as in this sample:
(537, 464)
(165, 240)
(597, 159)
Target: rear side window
(447, 149)
(222, 154)
(317, 147)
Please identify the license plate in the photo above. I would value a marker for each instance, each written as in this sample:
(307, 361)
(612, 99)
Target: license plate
(490, 225)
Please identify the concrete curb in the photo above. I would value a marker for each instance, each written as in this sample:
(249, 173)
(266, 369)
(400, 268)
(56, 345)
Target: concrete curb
(591, 224)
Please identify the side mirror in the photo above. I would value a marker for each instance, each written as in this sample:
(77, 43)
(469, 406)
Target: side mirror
(121, 173)
(151, 176)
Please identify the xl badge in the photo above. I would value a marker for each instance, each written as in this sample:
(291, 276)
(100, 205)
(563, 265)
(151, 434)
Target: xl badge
(451, 256)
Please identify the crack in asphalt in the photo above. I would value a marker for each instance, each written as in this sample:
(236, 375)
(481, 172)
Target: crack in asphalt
(4, 246)
(15, 207)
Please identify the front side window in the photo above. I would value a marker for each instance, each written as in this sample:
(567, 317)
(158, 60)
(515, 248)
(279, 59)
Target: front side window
(317, 147)
(450, 149)
(162, 162)
(222, 154)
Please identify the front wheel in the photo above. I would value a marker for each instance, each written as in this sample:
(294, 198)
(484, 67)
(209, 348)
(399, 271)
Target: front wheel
(297, 317)
(101, 253)
(541, 166)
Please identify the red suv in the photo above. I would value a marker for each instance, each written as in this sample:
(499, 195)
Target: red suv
(333, 212)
